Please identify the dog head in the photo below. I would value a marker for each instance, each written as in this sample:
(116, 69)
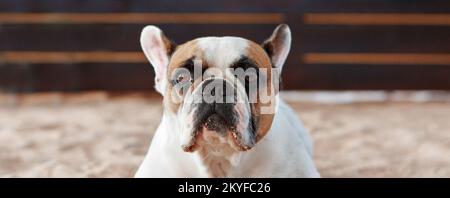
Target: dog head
(221, 90)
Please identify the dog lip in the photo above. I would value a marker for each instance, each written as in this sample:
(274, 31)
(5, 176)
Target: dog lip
(215, 121)
(191, 146)
(236, 138)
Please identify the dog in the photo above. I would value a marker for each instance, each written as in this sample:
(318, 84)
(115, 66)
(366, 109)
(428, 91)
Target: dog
(247, 137)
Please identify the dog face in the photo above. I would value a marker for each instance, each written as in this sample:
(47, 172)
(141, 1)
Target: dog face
(221, 90)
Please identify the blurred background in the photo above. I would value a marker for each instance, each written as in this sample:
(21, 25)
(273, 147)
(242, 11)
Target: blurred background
(370, 79)
(72, 45)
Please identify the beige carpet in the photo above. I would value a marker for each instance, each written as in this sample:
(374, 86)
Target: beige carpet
(99, 135)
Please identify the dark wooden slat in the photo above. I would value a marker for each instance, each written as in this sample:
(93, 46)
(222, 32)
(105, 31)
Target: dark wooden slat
(226, 6)
(146, 6)
(305, 39)
(70, 37)
(116, 77)
(51, 78)
(323, 38)
(113, 37)
(364, 77)
(76, 77)
(405, 6)
(18, 77)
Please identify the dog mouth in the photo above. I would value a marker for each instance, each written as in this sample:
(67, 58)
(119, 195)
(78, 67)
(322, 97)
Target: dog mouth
(215, 122)
(219, 126)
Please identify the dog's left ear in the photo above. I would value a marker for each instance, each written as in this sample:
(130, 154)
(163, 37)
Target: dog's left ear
(277, 46)
(158, 49)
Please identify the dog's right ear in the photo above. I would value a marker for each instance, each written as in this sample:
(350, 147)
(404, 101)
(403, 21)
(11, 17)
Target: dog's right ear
(158, 49)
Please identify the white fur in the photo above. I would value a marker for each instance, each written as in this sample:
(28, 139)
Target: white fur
(222, 51)
(286, 151)
(154, 49)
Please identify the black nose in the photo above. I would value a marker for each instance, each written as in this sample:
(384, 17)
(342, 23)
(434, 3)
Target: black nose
(216, 115)
(222, 106)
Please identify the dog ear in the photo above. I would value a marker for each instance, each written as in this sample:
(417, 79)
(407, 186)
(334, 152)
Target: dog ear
(158, 49)
(278, 44)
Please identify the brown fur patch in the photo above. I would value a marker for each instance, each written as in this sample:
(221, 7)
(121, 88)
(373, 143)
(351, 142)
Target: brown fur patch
(264, 121)
(181, 54)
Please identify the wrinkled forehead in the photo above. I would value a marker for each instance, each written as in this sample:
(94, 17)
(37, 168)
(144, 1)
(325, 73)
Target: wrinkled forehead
(220, 52)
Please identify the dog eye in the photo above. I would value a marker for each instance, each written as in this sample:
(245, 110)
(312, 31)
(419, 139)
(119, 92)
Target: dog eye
(182, 78)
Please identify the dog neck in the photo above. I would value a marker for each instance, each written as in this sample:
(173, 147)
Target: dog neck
(216, 159)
